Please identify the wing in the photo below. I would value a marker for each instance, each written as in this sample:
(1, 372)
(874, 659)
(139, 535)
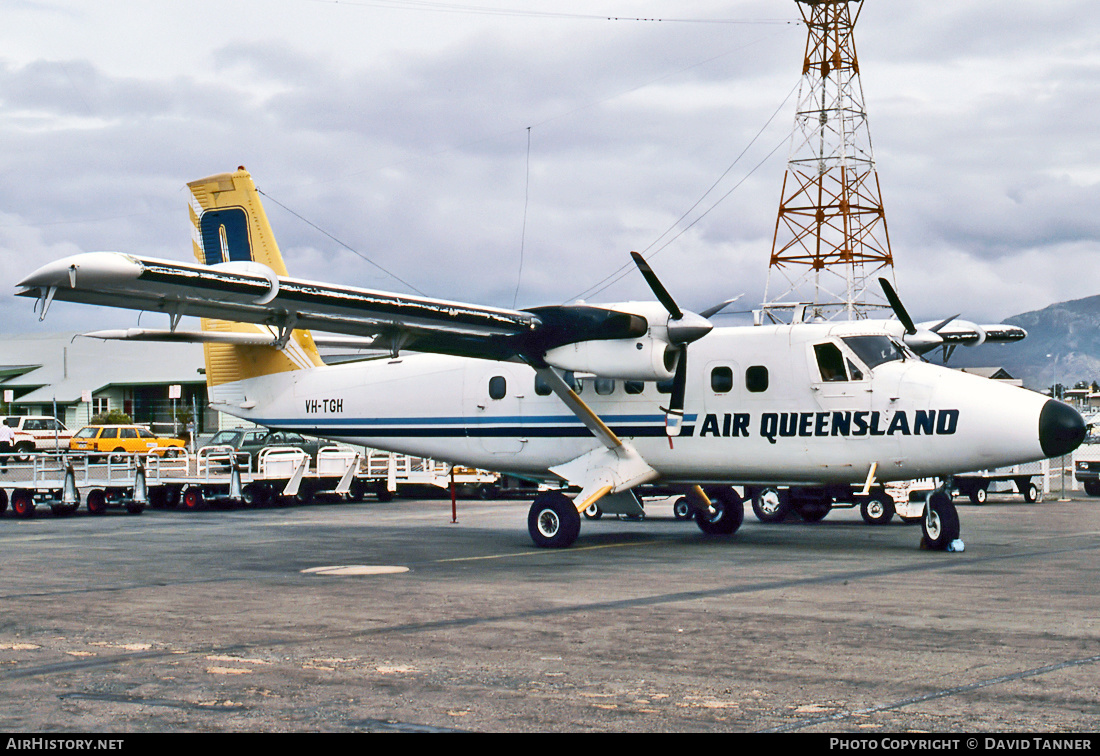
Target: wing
(251, 292)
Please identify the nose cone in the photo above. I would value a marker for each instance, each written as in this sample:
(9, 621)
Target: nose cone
(1061, 428)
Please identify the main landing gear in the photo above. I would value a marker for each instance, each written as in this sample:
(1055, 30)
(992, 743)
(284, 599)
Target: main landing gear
(554, 522)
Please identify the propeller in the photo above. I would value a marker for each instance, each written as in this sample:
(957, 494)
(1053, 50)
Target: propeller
(920, 340)
(683, 328)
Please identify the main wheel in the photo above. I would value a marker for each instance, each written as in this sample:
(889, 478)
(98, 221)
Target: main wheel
(878, 509)
(553, 521)
(941, 521)
(769, 504)
(728, 516)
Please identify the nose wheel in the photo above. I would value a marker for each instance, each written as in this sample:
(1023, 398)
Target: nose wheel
(941, 521)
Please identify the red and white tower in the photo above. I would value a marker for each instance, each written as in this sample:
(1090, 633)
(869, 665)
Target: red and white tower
(830, 240)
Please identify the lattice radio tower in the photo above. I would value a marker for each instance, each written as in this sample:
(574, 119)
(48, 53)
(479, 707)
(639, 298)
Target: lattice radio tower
(830, 242)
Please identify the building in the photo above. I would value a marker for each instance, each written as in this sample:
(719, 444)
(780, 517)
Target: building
(996, 373)
(73, 378)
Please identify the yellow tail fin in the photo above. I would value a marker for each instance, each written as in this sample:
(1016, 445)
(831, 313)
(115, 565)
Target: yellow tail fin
(229, 225)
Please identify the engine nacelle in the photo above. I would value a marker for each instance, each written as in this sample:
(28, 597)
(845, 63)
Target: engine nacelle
(642, 359)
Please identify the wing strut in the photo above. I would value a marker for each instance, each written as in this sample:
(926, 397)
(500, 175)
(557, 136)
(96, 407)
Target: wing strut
(615, 468)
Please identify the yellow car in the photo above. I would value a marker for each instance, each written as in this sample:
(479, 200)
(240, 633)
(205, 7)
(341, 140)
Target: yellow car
(126, 439)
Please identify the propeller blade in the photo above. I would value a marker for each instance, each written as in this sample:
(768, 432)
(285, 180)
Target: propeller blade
(658, 288)
(897, 306)
(711, 311)
(936, 328)
(674, 413)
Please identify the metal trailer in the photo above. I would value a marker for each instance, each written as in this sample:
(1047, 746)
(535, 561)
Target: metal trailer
(1031, 481)
(219, 476)
(877, 505)
(213, 476)
(56, 480)
(223, 476)
(392, 472)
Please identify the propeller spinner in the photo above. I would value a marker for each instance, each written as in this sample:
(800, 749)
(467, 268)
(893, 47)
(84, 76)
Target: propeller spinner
(920, 340)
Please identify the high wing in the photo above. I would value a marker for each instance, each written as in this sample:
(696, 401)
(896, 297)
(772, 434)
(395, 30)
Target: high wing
(249, 292)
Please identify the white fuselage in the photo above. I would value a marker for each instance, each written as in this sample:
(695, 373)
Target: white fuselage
(757, 410)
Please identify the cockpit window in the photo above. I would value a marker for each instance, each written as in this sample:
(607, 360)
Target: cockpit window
(874, 350)
(830, 362)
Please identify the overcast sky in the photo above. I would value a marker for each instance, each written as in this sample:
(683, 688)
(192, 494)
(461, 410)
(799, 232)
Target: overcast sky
(505, 152)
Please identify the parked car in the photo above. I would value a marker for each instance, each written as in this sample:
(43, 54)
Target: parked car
(36, 433)
(253, 440)
(131, 439)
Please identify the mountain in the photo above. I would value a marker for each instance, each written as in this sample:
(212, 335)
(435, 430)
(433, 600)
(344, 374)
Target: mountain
(1062, 346)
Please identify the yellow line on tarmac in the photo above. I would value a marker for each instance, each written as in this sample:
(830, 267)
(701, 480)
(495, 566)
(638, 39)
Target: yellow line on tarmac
(547, 551)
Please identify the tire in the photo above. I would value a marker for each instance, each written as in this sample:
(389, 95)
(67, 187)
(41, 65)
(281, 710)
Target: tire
(593, 512)
(3, 501)
(192, 498)
(681, 509)
(22, 503)
(358, 490)
(96, 501)
(1031, 493)
(135, 509)
(254, 495)
(979, 495)
(878, 509)
(730, 512)
(23, 451)
(553, 521)
(814, 511)
(770, 504)
(940, 523)
(1092, 487)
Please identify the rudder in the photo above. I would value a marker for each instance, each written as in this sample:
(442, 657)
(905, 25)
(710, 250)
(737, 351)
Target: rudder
(229, 225)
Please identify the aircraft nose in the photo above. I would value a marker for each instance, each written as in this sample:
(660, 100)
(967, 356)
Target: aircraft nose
(1061, 428)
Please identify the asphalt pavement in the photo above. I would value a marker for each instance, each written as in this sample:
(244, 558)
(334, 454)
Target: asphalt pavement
(389, 617)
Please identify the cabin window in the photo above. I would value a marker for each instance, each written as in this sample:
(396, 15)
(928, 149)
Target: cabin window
(633, 387)
(830, 362)
(498, 387)
(605, 386)
(756, 379)
(542, 388)
(721, 380)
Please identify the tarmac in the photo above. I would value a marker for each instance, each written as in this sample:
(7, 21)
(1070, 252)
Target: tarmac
(344, 617)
